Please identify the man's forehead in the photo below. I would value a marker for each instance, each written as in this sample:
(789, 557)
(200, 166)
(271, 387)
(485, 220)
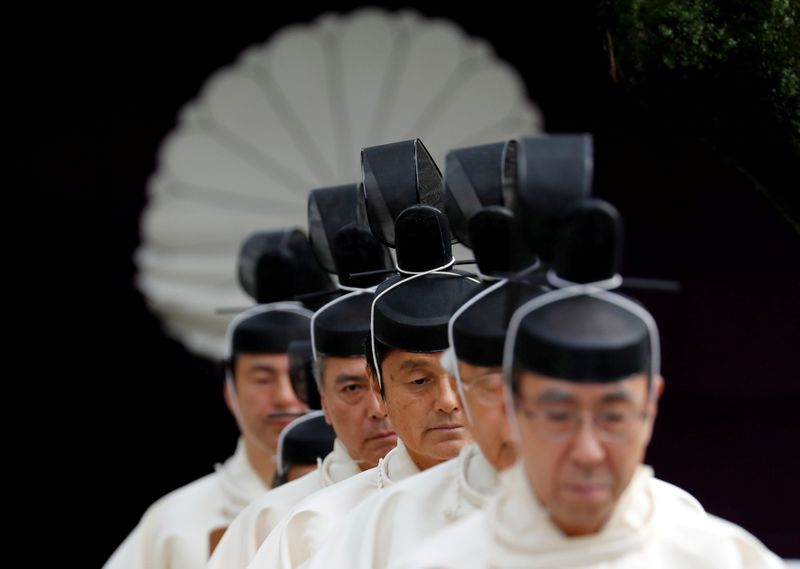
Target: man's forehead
(406, 361)
(418, 362)
(532, 384)
(475, 371)
(267, 360)
(335, 366)
(344, 361)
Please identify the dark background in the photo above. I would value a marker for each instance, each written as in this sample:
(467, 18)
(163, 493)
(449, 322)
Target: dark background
(143, 416)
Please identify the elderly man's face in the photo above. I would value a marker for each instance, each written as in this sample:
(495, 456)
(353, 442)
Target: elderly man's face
(354, 411)
(483, 392)
(421, 400)
(582, 443)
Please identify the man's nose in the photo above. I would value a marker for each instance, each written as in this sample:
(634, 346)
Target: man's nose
(587, 448)
(447, 400)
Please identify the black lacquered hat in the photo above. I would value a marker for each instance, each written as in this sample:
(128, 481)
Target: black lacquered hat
(268, 329)
(553, 173)
(279, 265)
(476, 177)
(304, 441)
(396, 176)
(479, 184)
(340, 327)
(341, 240)
(583, 338)
(413, 315)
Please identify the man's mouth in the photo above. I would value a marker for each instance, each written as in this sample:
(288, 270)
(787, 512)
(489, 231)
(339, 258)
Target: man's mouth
(447, 427)
(283, 417)
(588, 491)
(383, 435)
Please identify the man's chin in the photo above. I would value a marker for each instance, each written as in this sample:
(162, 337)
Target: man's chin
(382, 443)
(458, 436)
(449, 448)
(376, 449)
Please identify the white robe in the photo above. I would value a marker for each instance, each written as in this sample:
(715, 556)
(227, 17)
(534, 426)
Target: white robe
(655, 525)
(300, 534)
(384, 526)
(251, 527)
(174, 532)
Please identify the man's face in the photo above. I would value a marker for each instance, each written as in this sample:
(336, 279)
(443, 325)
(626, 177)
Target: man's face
(423, 405)
(264, 395)
(483, 391)
(578, 474)
(354, 411)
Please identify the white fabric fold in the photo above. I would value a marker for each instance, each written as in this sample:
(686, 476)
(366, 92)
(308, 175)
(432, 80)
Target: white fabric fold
(174, 531)
(389, 523)
(252, 526)
(301, 533)
(655, 525)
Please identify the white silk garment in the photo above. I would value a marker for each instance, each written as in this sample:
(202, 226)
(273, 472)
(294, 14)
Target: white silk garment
(392, 522)
(655, 525)
(174, 532)
(301, 533)
(251, 527)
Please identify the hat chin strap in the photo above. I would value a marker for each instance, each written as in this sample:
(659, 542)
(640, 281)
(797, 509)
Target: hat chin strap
(447, 265)
(450, 325)
(550, 297)
(280, 306)
(413, 275)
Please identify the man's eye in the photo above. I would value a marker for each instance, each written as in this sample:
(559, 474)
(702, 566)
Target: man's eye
(419, 381)
(611, 417)
(557, 416)
(352, 388)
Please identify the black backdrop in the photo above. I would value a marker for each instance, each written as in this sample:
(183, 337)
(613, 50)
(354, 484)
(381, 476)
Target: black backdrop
(148, 416)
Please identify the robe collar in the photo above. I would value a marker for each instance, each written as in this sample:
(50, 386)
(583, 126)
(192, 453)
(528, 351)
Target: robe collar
(240, 482)
(475, 480)
(524, 536)
(395, 466)
(337, 465)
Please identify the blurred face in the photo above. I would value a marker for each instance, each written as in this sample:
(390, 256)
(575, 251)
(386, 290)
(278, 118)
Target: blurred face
(582, 443)
(483, 392)
(421, 400)
(264, 395)
(356, 414)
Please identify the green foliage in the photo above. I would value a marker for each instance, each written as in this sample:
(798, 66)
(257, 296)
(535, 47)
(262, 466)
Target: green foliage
(729, 71)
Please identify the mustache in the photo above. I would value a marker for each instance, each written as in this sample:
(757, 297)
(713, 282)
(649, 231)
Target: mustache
(452, 420)
(285, 414)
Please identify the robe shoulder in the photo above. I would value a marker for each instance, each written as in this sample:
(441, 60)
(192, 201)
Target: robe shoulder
(462, 545)
(252, 526)
(300, 532)
(172, 526)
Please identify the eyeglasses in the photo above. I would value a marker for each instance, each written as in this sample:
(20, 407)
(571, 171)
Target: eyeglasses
(487, 388)
(614, 425)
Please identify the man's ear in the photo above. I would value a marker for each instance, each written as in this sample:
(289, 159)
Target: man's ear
(226, 392)
(652, 405)
(658, 389)
(325, 411)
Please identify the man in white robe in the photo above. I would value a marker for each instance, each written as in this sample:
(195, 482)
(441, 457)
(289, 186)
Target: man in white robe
(409, 332)
(364, 433)
(390, 523)
(583, 382)
(177, 530)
